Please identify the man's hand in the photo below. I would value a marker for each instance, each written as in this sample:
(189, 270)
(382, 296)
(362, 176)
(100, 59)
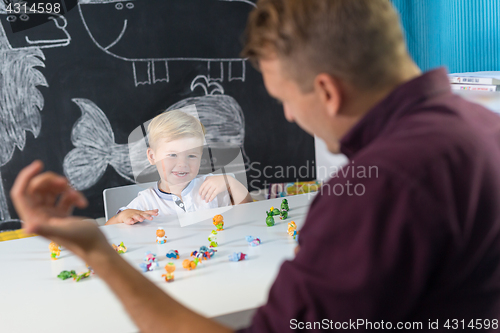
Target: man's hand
(212, 186)
(44, 203)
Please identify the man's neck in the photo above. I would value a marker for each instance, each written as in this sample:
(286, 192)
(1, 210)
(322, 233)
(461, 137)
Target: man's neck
(358, 104)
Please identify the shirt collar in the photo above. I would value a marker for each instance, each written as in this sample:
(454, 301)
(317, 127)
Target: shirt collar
(392, 107)
(173, 197)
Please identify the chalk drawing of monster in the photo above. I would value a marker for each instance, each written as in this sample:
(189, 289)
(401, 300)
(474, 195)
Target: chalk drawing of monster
(153, 34)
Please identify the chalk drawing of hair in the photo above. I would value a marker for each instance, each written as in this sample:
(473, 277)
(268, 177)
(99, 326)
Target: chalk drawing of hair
(20, 102)
(150, 63)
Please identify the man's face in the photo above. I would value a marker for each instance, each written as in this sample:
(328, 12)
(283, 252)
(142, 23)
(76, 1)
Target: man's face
(178, 161)
(305, 109)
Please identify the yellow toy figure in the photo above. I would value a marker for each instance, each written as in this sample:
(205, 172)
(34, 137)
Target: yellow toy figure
(121, 248)
(292, 229)
(219, 222)
(170, 268)
(160, 236)
(55, 251)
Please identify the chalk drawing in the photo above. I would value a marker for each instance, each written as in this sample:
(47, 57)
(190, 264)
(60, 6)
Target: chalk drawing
(60, 23)
(20, 102)
(151, 70)
(95, 146)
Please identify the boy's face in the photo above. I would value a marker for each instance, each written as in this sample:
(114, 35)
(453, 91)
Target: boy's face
(177, 161)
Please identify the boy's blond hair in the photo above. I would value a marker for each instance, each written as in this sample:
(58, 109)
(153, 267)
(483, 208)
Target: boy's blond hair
(173, 125)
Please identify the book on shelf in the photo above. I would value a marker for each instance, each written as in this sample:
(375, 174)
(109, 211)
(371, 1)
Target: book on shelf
(483, 78)
(475, 87)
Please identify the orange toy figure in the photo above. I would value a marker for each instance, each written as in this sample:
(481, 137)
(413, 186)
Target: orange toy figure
(292, 229)
(160, 236)
(219, 222)
(55, 251)
(189, 265)
(170, 268)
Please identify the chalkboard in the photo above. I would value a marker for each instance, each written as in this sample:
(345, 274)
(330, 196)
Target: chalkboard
(75, 84)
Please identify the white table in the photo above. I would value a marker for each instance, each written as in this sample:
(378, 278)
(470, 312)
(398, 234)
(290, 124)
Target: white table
(33, 299)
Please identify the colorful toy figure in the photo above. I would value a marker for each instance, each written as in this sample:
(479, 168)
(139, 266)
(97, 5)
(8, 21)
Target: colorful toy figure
(219, 222)
(72, 274)
(120, 248)
(253, 241)
(283, 215)
(149, 263)
(173, 254)
(292, 229)
(212, 238)
(237, 256)
(170, 268)
(204, 253)
(55, 250)
(190, 264)
(270, 219)
(275, 211)
(284, 205)
(160, 236)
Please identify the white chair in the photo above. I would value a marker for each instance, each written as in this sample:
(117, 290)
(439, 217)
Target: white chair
(117, 197)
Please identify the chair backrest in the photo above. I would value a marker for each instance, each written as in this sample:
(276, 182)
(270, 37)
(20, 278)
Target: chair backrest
(117, 197)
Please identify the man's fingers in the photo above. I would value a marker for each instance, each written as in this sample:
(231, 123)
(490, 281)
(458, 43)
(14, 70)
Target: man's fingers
(70, 199)
(22, 181)
(48, 183)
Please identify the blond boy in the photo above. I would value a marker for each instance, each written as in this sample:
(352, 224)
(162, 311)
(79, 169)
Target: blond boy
(176, 145)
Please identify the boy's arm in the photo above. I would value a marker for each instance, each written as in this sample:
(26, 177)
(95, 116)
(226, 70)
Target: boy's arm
(238, 191)
(132, 216)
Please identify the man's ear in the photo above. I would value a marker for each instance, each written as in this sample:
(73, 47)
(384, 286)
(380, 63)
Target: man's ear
(329, 90)
(151, 156)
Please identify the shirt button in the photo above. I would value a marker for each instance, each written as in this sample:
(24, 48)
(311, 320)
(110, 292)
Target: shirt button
(181, 205)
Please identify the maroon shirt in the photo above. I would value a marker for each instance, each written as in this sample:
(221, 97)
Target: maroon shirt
(418, 239)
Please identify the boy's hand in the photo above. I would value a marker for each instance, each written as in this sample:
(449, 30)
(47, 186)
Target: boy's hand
(132, 216)
(212, 186)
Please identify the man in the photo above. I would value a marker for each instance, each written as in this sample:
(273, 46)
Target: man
(408, 236)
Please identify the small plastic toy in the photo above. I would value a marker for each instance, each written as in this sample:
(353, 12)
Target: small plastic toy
(284, 205)
(170, 268)
(292, 229)
(149, 263)
(275, 211)
(270, 219)
(219, 222)
(204, 253)
(253, 241)
(212, 238)
(190, 264)
(237, 256)
(283, 215)
(160, 236)
(72, 274)
(119, 248)
(55, 250)
(173, 254)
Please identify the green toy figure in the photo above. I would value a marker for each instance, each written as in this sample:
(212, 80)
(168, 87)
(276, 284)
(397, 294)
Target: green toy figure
(275, 211)
(270, 218)
(284, 205)
(283, 215)
(212, 238)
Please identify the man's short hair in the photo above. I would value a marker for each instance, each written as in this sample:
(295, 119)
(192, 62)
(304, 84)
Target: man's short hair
(357, 41)
(173, 125)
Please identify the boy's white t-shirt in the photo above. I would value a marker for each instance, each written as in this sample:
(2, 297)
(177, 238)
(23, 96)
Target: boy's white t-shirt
(169, 204)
